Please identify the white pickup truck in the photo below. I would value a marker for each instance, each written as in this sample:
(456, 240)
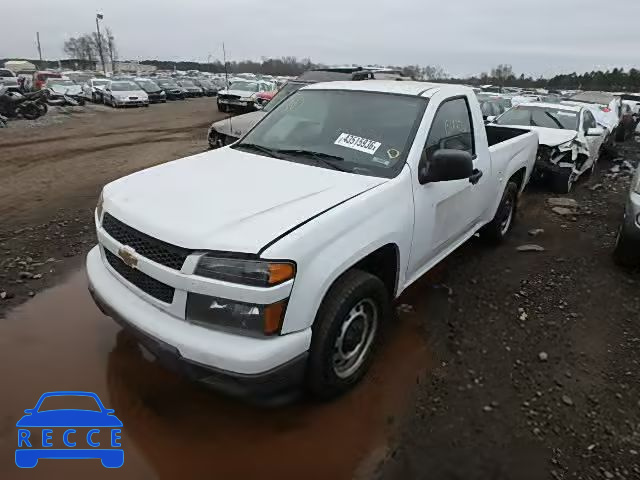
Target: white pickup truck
(272, 264)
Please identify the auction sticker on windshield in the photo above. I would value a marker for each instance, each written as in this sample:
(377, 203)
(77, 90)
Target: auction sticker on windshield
(357, 143)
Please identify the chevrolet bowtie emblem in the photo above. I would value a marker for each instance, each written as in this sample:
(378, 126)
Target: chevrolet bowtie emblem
(128, 256)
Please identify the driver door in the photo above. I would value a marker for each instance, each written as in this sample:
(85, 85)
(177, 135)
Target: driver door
(445, 212)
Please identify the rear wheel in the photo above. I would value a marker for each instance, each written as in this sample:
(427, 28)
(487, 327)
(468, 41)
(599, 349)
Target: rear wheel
(496, 230)
(346, 332)
(562, 181)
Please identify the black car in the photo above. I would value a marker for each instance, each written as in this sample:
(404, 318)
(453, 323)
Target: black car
(155, 93)
(210, 90)
(172, 90)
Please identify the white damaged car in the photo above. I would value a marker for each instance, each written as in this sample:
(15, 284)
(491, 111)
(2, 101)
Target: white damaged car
(570, 140)
(241, 95)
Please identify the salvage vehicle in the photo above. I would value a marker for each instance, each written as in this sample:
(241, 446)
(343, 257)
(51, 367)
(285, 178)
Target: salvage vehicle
(570, 140)
(208, 88)
(92, 89)
(273, 263)
(59, 88)
(171, 88)
(190, 88)
(611, 106)
(263, 98)
(124, 93)
(627, 250)
(9, 80)
(155, 93)
(241, 95)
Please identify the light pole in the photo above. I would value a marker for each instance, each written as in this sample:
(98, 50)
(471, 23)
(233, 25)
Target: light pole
(99, 16)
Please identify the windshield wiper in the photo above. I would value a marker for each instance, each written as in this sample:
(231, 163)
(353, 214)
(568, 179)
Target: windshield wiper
(260, 148)
(325, 158)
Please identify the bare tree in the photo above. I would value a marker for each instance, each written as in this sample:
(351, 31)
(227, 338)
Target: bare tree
(82, 49)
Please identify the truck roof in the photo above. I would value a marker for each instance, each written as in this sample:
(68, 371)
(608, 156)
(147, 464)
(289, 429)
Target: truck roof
(390, 86)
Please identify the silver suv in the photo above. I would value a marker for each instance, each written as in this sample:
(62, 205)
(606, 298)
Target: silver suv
(627, 252)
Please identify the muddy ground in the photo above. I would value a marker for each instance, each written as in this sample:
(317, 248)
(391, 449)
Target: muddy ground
(503, 364)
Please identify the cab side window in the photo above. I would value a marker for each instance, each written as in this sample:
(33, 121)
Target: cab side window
(451, 128)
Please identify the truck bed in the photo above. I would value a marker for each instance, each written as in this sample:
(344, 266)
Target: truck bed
(497, 134)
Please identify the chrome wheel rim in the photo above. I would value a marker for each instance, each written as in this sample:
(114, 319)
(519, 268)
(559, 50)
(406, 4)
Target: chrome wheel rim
(355, 338)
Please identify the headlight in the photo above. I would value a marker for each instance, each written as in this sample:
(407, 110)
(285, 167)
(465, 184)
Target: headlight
(99, 207)
(256, 273)
(232, 315)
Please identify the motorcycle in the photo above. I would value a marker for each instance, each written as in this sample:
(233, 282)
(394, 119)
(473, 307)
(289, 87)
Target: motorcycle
(13, 104)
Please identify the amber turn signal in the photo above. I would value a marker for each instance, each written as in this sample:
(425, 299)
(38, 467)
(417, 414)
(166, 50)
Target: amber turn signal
(273, 317)
(280, 272)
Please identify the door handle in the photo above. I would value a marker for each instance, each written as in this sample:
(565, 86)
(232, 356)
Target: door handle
(475, 176)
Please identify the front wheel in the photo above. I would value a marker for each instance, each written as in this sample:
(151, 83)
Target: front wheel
(30, 111)
(496, 230)
(345, 333)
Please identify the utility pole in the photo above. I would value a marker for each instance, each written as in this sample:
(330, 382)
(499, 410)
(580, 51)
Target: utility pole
(39, 49)
(99, 16)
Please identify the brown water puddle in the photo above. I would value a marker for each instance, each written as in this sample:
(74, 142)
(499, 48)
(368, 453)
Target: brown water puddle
(174, 429)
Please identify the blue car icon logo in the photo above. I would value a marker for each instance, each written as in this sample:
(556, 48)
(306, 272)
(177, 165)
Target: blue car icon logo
(83, 433)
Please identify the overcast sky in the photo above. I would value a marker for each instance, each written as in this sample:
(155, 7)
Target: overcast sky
(464, 36)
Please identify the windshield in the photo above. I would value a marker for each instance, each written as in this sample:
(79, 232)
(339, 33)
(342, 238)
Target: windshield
(360, 132)
(123, 86)
(540, 117)
(244, 86)
(187, 83)
(99, 82)
(283, 93)
(6, 73)
(148, 85)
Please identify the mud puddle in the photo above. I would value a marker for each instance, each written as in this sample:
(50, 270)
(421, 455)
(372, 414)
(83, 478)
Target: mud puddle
(174, 429)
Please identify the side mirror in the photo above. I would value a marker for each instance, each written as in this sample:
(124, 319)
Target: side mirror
(445, 165)
(491, 118)
(595, 132)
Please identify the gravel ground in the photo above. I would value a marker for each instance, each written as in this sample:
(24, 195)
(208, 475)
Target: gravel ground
(537, 350)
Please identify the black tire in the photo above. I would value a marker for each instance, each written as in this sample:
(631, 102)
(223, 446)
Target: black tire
(81, 102)
(44, 108)
(94, 98)
(353, 288)
(497, 229)
(626, 252)
(562, 181)
(222, 108)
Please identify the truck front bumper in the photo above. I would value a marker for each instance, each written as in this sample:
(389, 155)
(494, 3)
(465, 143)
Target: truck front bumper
(263, 370)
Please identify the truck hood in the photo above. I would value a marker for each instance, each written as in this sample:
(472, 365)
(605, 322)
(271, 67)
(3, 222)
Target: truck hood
(551, 137)
(228, 200)
(238, 126)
